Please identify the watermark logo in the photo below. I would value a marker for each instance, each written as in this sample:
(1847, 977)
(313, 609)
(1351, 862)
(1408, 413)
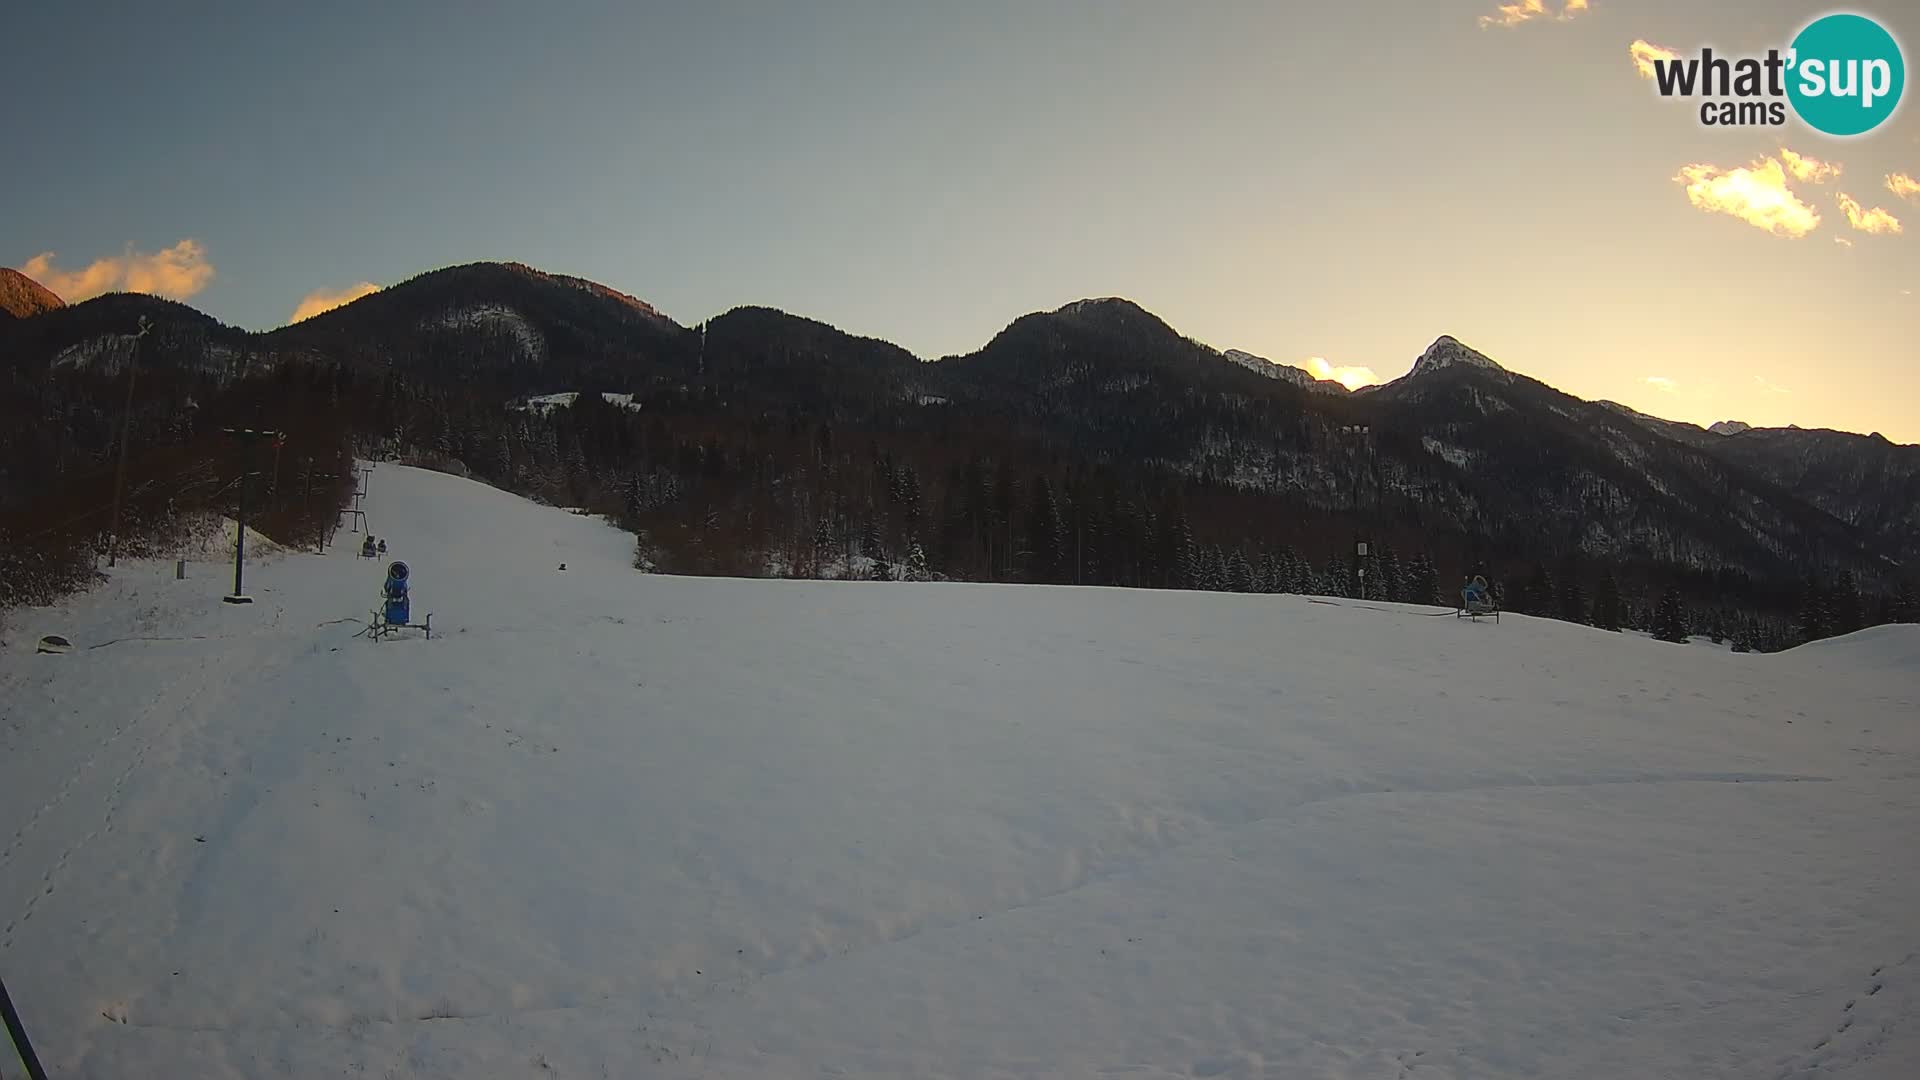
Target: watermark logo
(1843, 75)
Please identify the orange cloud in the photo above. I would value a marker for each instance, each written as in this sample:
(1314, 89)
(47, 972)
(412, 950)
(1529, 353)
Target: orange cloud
(1757, 195)
(1843, 241)
(322, 300)
(177, 272)
(1529, 10)
(1661, 383)
(1808, 170)
(1875, 221)
(1645, 52)
(1904, 186)
(1353, 378)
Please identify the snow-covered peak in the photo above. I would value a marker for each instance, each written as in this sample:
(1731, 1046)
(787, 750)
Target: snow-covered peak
(1273, 369)
(1730, 427)
(1092, 304)
(1446, 352)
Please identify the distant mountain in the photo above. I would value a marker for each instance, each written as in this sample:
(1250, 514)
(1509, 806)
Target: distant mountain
(501, 322)
(1459, 457)
(1729, 427)
(22, 297)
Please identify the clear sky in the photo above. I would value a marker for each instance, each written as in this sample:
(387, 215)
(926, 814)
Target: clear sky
(1343, 180)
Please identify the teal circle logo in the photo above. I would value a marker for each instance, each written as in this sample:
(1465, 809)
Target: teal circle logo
(1846, 75)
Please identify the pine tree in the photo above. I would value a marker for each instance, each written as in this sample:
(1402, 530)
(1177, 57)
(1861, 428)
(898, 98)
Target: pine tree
(1607, 614)
(1669, 619)
(882, 570)
(1906, 604)
(1240, 573)
(1573, 596)
(1387, 569)
(917, 569)
(1270, 573)
(1812, 624)
(1423, 580)
(1214, 571)
(1537, 595)
(1845, 604)
(1339, 579)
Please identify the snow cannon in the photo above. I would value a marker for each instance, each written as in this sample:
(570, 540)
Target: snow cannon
(394, 592)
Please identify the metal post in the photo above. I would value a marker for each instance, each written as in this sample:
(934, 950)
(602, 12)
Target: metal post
(19, 1033)
(126, 436)
(240, 542)
(248, 438)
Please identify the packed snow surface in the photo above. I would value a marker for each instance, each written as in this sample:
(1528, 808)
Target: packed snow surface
(607, 824)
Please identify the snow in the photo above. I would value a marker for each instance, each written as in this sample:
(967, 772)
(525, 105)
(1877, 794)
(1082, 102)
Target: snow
(1273, 369)
(546, 403)
(617, 824)
(498, 319)
(1456, 455)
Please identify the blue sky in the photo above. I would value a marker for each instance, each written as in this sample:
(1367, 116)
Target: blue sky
(1344, 180)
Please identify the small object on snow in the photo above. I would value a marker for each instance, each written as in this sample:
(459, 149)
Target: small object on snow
(54, 643)
(563, 566)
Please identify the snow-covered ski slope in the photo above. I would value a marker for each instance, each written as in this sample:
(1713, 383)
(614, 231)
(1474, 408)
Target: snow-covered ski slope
(608, 824)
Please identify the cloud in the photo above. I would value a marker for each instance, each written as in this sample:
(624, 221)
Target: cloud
(1757, 194)
(1353, 378)
(1843, 241)
(1904, 186)
(1529, 10)
(1875, 221)
(1661, 383)
(1808, 170)
(177, 272)
(1769, 386)
(322, 300)
(1645, 52)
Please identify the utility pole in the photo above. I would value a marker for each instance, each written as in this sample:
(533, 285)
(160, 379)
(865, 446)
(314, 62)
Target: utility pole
(248, 438)
(126, 436)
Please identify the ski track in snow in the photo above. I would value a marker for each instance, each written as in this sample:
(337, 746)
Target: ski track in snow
(607, 824)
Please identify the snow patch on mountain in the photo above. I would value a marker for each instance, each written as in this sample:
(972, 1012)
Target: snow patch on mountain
(1455, 455)
(497, 319)
(1273, 369)
(546, 403)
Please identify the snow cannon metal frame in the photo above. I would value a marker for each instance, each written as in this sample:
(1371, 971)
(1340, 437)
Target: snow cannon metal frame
(396, 606)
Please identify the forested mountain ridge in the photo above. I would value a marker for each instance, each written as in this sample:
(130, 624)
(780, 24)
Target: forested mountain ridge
(1092, 443)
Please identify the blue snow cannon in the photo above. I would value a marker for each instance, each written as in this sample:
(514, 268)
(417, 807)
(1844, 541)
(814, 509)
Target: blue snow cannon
(399, 607)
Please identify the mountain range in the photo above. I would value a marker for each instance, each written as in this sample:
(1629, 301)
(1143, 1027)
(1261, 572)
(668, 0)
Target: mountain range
(1460, 456)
